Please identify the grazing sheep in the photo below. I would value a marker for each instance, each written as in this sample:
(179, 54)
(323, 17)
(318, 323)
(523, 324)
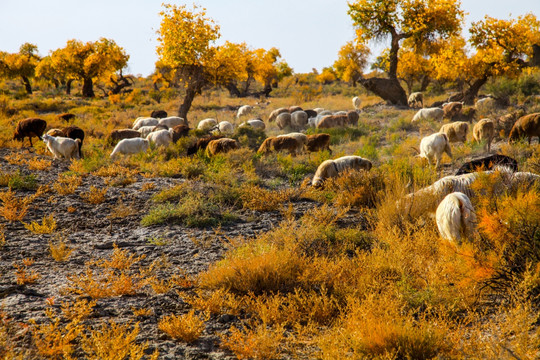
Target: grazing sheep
(158, 114)
(273, 115)
(456, 131)
(415, 99)
(332, 168)
(221, 146)
(318, 142)
(283, 120)
(434, 113)
(74, 132)
(330, 121)
(434, 146)
(160, 127)
(318, 110)
(452, 109)
(508, 181)
(484, 130)
(146, 130)
(527, 126)
(488, 163)
(505, 123)
(225, 127)
(342, 112)
(356, 102)
(140, 122)
(325, 112)
(179, 131)
(301, 138)
(66, 117)
(55, 132)
(202, 143)
(62, 146)
(29, 128)
(207, 124)
(467, 114)
(161, 137)
(283, 143)
(314, 121)
(130, 146)
(455, 217)
(352, 118)
(244, 110)
(120, 134)
(294, 108)
(310, 113)
(254, 123)
(485, 105)
(172, 121)
(299, 120)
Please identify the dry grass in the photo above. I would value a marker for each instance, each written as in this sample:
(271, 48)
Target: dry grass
(14, 208)
(94, 195)
(47, 226)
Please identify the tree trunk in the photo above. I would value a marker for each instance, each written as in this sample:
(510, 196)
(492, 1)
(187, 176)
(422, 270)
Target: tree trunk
(191, 91)
(233, 90)
(388, 89)
(88, 88)
(27, 85)
(68, 86)
(471, 93)
(425, 82)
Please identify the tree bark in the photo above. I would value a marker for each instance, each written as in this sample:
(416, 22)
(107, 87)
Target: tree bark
(388, 89)
(68, 86)
(27, 85)
(88, 88)
(233, 90)
(470, 94)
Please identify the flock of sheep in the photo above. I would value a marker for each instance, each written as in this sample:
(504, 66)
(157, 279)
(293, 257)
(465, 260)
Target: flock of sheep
(455, 214)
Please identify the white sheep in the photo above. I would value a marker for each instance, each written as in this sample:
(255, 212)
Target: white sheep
(318, 110)
(485, 105)
(299, 120)
(254, 123)
(173, 121)
(62, 146)
(356, 102)
(429, 114)
(225, 127)
(455, 217)
(432, 147)
(207, 124)
(161, 137)
(283, 120)
(130, 146)
(145, 130)
(244, 110)
(332, 168)
(140, 122)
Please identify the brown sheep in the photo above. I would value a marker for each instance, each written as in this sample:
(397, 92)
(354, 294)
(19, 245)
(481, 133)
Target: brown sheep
(158, 114)
(29, 128)
(121, 134)
(456, 131)
(467, 114)
(179, 131)
(160, 127)
(66, 117)
(318, 142)
(202, 143)
(505, 123)
(282, 143)
(331, 121)
(352, 118)
(295, 108)
(527, 126)
(484, 130)
(221, 146)
(452, 109)
(310, 113)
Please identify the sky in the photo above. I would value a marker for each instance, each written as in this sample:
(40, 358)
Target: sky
(308, 33)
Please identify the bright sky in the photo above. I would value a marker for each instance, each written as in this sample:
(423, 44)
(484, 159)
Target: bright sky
(308, 33)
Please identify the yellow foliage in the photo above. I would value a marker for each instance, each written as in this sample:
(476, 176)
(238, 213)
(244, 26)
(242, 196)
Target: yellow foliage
(13, 208)
(261, 342)
(94, 195)
(67, 184)
(188, 327)
(60, 251)
(47, 226)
